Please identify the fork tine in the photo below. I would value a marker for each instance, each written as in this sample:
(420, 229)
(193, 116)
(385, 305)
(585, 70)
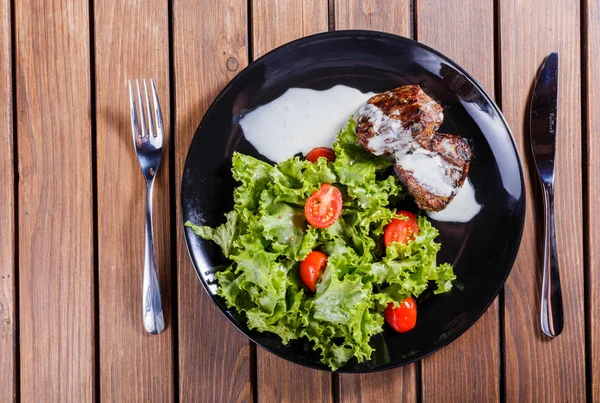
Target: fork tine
(151, 131)
(143, 118)
(135, 127)
(157, 111)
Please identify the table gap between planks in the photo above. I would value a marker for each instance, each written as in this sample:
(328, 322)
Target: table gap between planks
(71, 204)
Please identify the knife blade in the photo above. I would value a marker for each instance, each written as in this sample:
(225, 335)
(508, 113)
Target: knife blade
(543, 125)
(544, 108)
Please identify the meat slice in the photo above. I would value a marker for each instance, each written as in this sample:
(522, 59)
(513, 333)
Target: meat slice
(411, 115)
(447, 154)
(402, 123)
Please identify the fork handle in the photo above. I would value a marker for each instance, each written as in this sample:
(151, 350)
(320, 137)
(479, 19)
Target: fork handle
(152, 306)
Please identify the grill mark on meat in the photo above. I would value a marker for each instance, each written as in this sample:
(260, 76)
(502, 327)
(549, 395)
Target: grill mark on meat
(414, 110)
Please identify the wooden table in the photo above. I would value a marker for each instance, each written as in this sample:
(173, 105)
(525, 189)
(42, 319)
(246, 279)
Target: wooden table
(71, 201)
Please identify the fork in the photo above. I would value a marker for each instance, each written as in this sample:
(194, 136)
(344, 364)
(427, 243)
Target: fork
(148, 147)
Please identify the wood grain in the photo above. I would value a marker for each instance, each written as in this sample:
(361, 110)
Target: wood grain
(275, 23)
(394, 17)
(8, 315)
(398, 385)
(281, 381)
(214, 358)
(464, 31)
(592, 58)
(55, 201)
(538, 368)
(380, 15)
(130, 42)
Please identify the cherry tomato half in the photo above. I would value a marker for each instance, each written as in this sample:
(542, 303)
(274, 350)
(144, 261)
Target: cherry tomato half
(324, 206)
(404, 317)
(319, 152)
(311, 269)
(401, 231)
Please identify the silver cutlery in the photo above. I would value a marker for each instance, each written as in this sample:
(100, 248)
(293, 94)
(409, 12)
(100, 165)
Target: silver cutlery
(543, 121)
(148, 137)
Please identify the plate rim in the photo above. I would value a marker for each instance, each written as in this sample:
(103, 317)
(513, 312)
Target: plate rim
(369, 34)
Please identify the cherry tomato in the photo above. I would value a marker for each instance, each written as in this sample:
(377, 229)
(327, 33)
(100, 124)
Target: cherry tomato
(324, 206)
(401, 231)
(319, 152)
(311, 269)
(404, 317)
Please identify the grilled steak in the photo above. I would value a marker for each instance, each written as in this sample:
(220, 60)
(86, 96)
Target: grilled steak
(403, 123)
(413, 112)
(455, 153)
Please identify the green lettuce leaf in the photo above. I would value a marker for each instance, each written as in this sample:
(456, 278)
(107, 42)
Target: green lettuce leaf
(253, 176)
(223, 235)
(354, 166)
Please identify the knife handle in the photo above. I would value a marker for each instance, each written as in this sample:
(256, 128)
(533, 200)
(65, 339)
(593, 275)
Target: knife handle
(552, 319)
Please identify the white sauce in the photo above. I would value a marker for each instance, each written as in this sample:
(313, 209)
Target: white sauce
(430, 169)
(391, 135)
(300, 120)
(461, 209)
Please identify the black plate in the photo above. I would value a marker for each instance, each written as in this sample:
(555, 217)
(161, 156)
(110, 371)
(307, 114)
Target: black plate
(482, 251)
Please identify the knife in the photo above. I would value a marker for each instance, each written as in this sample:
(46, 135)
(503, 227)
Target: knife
(543, 119)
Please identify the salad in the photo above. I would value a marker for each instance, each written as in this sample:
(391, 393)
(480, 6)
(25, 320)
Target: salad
(318, 250)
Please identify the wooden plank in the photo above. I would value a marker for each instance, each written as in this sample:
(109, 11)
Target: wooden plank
(380, 15)
(55, 201)
(275, 23)
(592, 58)
(464, 31)
(214, 358)
(130, 42)
(537, 368)
(281, 381)
(8, 318)
(394, 17)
